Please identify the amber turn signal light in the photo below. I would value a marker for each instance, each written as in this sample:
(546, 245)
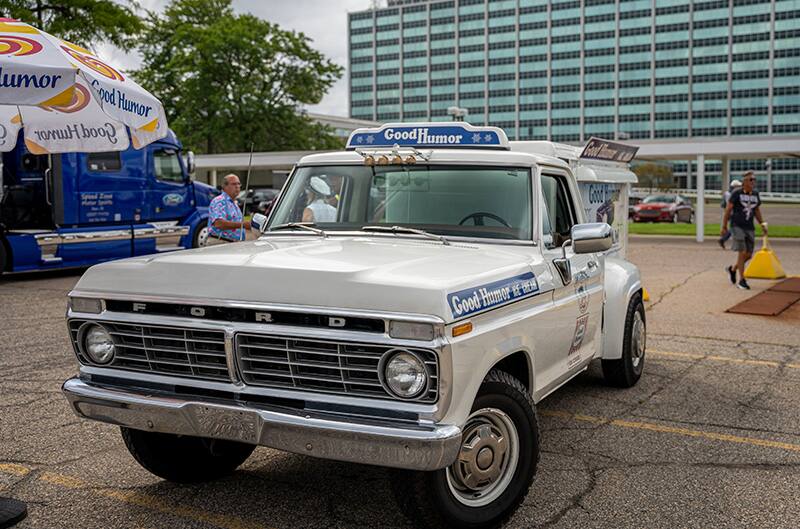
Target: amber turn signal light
(462, 328)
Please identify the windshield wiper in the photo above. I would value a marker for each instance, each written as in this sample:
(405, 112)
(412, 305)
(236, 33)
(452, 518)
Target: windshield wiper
(405, 229)
(308, 226)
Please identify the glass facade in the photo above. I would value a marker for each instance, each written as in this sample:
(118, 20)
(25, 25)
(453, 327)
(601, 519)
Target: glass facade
(567, 70)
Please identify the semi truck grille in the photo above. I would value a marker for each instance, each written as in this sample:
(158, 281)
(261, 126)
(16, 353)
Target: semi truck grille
(317, 365)
(164, 350)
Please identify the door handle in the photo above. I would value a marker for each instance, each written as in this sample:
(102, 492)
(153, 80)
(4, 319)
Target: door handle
(592, 264)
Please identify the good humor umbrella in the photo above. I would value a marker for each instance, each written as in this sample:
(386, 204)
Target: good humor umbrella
(65, 99)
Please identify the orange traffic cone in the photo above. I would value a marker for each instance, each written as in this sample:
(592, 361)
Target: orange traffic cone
(765, 264)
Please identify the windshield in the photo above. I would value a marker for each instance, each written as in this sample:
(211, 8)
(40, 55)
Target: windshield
(660, 198)
(466, 201)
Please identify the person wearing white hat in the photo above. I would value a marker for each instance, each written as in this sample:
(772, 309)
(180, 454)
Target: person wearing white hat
(726, 196)
(318, 209)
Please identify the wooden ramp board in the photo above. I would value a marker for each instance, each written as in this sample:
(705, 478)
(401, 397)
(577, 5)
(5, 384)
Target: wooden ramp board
(767, 303)
(787, 285)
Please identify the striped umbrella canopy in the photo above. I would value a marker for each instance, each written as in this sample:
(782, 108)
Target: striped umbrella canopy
(65, 99)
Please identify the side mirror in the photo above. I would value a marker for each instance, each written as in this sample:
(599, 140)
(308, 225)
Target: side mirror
(190, 165)
(591, 237)
(257, 222)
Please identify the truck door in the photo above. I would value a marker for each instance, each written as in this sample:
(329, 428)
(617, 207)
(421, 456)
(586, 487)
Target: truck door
(579, 297)
(170, 194)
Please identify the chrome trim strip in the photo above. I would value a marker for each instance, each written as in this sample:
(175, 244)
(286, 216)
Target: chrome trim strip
(306, 309)
(154, 233)
(47, 239)
(230, 357)
(257, 328)
(403, 446)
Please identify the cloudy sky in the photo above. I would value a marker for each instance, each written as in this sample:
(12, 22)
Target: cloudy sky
(324, 21)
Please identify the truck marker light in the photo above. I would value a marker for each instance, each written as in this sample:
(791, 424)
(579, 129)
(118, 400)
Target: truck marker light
(462, 328)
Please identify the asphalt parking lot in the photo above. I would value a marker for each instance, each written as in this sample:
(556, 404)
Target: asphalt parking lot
(710, 437)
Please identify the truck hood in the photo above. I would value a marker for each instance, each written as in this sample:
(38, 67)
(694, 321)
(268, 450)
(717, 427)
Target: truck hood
(369, 273)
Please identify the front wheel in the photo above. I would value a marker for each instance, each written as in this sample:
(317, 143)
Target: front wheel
(200, 238)
(183, 458)
(626, 371)
(493, 471)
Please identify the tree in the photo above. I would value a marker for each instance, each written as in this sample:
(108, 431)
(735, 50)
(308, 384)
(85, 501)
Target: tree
(84, 22)
(654, 175)
(227, 79)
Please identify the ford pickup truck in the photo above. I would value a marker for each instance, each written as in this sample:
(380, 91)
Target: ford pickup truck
(408, 303)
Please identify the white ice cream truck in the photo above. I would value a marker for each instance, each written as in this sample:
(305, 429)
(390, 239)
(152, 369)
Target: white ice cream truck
(408, 303)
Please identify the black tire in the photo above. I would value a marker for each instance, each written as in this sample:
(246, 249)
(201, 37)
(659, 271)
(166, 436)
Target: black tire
(426, 497)
(185, 459)
(197, 238)
(626, 371)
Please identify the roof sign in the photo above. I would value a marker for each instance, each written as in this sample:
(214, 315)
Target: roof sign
(600, 149)
(437, 135)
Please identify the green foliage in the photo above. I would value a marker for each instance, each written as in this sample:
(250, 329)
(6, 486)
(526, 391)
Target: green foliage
(84, 22)
(227, 79)
(654, 175)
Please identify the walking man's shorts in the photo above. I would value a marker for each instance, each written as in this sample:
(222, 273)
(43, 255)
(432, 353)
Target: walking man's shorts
(743, 240)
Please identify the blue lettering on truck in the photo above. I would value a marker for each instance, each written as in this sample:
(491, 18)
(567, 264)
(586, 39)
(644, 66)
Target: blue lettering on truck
(491, 295)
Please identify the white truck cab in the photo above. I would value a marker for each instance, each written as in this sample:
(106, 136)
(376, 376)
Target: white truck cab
(407, 304)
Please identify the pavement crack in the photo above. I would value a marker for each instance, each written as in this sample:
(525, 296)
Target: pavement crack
(676, 286)
(576, 500)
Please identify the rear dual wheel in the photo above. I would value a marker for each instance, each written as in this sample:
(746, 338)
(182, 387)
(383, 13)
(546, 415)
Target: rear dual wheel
(493, 471)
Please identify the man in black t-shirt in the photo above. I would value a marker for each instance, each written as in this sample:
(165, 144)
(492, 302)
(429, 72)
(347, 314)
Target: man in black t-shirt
(743, 205)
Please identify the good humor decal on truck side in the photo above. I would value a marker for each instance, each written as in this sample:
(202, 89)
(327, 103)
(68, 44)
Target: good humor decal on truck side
(484, 297)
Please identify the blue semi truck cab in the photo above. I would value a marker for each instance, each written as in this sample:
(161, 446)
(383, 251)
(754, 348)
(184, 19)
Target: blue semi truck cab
(78, 209)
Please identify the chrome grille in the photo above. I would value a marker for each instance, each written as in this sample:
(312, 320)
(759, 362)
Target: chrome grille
(320, 365)
(164, 350)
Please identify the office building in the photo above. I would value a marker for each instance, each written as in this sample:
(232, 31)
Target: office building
(568, 70)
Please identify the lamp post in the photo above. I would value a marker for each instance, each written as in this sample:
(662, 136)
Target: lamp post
(458, 113)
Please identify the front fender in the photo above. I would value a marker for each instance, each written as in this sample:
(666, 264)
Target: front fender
(622, 282)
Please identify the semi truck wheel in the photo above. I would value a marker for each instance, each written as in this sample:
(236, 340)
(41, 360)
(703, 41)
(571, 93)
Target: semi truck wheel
(626, 371)
(183, 458)
(494, 469)
(200, 238)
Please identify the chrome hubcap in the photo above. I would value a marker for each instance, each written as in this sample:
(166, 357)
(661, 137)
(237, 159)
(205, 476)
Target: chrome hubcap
(487, 460)
(202, 237)
(638, 340)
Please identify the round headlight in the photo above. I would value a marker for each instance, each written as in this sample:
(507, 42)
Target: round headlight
(97, 344)
(405, 374)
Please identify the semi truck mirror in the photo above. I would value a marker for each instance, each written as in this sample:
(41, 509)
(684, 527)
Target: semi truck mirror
(190, 165)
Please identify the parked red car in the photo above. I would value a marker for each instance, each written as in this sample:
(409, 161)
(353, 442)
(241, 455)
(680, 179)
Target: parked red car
(664, 208)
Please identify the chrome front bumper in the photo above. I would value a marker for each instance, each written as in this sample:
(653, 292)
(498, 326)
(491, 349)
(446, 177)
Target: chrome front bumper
(401, 446)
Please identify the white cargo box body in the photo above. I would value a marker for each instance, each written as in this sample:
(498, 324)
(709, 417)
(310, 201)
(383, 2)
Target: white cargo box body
(604, 186)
